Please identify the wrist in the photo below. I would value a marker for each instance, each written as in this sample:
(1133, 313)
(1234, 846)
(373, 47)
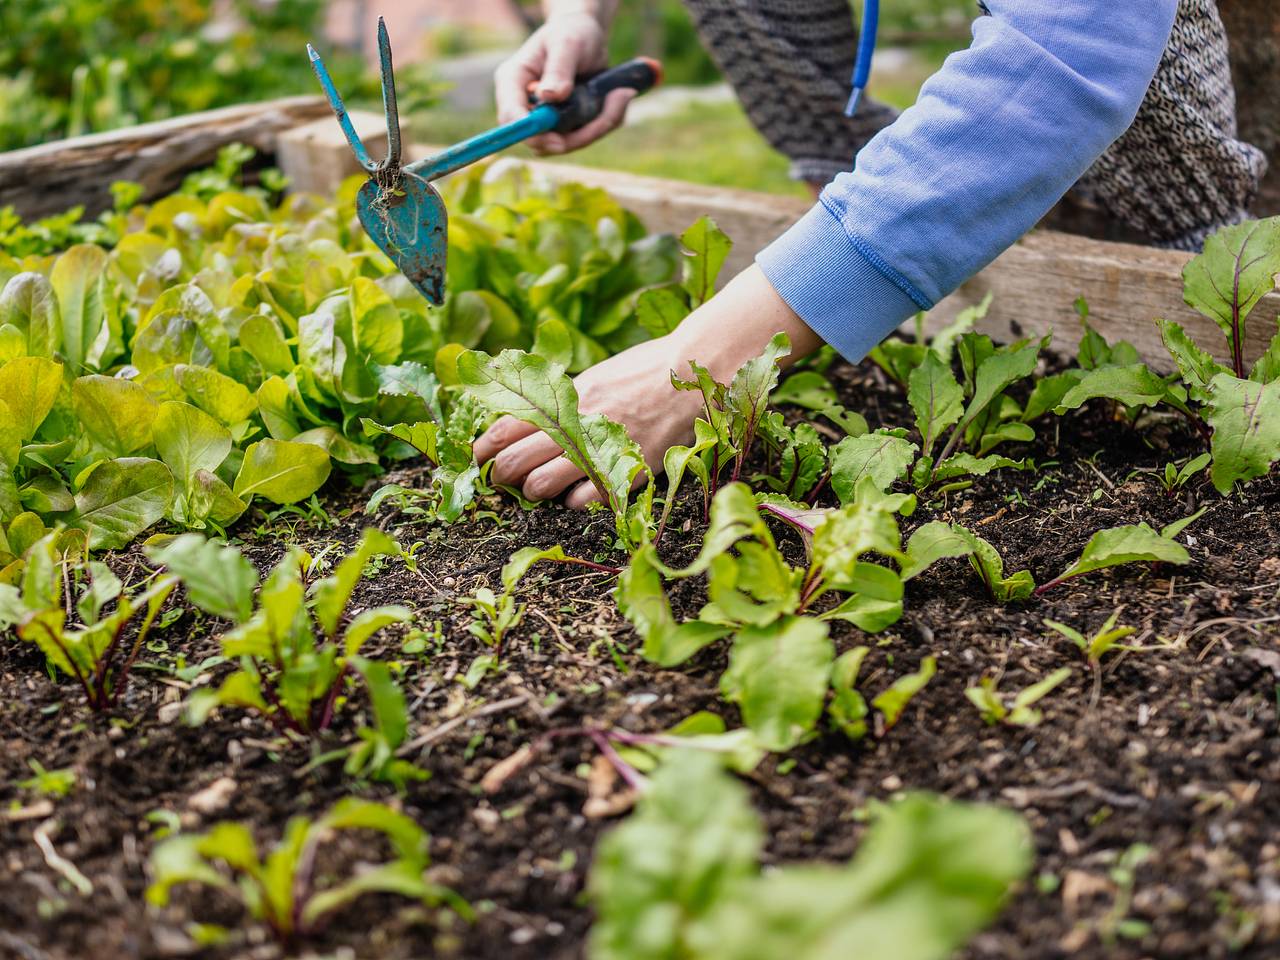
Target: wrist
(736, 325)
(601, 11)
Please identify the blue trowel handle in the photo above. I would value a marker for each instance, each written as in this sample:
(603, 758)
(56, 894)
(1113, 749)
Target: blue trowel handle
(577, 110)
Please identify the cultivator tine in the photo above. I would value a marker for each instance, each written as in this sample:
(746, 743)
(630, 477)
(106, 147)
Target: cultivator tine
(389, 106)
(340, 111)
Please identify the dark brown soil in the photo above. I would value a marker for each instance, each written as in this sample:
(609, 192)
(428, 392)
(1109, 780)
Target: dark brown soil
(1173, 747)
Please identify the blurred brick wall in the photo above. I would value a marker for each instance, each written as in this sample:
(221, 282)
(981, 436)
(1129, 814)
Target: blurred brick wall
(350, 22)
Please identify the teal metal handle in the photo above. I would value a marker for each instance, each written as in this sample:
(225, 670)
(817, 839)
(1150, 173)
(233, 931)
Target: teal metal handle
(542, 119)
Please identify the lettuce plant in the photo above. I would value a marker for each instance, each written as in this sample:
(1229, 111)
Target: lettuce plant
(681, 878)
(283, 889)
(294, 652)
(87, 643)
(228, 349)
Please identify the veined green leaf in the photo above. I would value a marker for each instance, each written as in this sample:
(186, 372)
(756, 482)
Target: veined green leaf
(1237, 269)
(29, 387)
(189, 440)
(936, 398)
(215, 393)
(282, 471)
(122, 498)
(1245, 417)
(1198, 368)
(705, 249)
(778, 675)
(77, 280)
(28, 304)
(883, 457)
(1133, 385)
(1126, 544)
(118, 414)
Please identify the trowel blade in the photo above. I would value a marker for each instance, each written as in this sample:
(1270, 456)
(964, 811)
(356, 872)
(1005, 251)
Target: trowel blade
(409, 224)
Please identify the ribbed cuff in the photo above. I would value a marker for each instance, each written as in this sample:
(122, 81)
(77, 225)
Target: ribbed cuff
(834, 286)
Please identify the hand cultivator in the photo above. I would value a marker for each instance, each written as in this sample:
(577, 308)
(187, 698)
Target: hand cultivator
(400, 209)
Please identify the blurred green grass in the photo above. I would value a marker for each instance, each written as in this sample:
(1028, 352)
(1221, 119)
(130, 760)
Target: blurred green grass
(709, 142)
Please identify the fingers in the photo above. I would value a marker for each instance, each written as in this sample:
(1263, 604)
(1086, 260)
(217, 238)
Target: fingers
(550, 479)
(611, 117)
(511, 83)
(585, 493)
(501, 435)
(514, 463)
(564, 60)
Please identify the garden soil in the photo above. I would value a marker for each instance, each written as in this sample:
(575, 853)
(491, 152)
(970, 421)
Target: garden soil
(1170, 750)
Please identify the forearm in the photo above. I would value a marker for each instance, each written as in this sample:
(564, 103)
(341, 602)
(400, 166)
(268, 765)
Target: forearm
(602, 10)
(995, 139)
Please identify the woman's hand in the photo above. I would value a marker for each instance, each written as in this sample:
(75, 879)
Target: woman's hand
(570, 44)
(634, 388)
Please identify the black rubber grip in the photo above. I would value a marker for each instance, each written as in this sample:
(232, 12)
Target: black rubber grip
(587, 99)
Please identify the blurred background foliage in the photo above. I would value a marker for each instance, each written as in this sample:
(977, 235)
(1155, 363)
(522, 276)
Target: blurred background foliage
(69, 67)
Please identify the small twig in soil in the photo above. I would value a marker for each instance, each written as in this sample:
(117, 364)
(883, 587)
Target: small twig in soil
(444, 729)
(58, 863)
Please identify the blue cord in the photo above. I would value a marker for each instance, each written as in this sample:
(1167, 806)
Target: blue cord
(866, 48)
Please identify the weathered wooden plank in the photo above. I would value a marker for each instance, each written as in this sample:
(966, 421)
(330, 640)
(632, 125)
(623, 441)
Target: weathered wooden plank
(54, 176)
(1034, 284)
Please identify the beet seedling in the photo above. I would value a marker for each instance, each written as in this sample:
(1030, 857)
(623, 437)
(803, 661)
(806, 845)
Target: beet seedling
(1236, 269)
(283, 889)
(93, 651)
(1021, 712)
(681, 877)
(1100, 643)
(293, 657)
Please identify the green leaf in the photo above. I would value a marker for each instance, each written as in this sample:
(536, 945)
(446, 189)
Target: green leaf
(223, 398)
(189, 440)
(934, 541)
(1237, 269)
(1048, 392)
(998, 371)
(1126, 544)
(778, 676)
(936, 398)
(537, 392)
(553, 342)
(881, 456)
(691, 845)
(28, 304)
(282, 471)
(1198, 368)
(748, 393)
(705, 250)
(376, 323)
(29, 387)
(894, 700)
(118, 414)
(643, 601)
(660, 310)
(1245, 417)
(77, 281)
(928, 875)
(1133, 385)
(334, 592)
(218, 579)
(262, 337)
(122, 498)
(368, 622)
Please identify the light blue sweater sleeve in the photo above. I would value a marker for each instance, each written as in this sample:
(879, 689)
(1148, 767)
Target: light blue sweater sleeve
(995, 139)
